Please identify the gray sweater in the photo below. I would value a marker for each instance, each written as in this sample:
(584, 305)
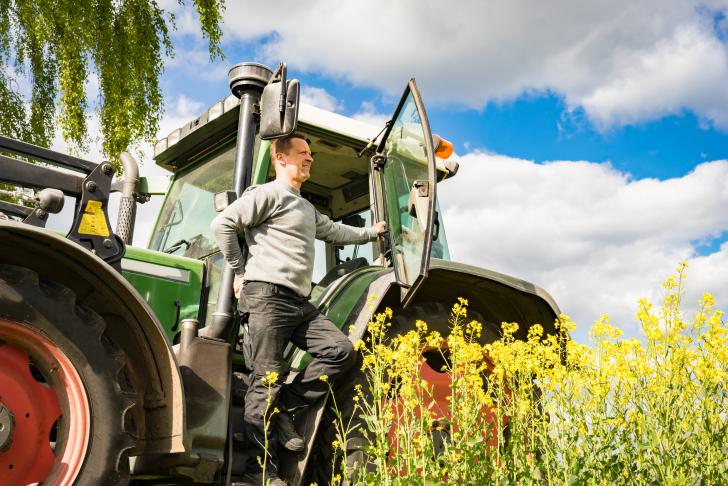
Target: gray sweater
(280, 227)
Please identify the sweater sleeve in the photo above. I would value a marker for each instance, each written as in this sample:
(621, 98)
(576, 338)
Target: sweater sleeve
(338, 233)
(249, 210)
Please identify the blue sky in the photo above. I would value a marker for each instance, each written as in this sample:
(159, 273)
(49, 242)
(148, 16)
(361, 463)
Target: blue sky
(541, 128)
(592, 137)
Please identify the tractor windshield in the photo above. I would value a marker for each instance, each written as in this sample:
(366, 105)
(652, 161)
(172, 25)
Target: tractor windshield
(183, 227)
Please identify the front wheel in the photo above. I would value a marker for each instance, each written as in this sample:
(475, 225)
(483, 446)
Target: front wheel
(62, 403)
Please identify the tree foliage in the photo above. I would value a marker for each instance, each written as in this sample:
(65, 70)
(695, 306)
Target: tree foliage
(59, 44)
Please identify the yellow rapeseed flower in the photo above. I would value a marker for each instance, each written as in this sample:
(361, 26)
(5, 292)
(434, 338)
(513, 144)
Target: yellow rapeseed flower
(270, 378)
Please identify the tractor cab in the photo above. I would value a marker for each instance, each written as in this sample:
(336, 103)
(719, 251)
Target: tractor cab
(350, 182)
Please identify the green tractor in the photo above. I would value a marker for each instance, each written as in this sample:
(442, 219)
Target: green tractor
(121, 364)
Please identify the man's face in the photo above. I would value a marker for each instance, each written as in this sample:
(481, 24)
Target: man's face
(297, 162)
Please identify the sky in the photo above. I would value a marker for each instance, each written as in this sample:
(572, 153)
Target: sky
(592, 136)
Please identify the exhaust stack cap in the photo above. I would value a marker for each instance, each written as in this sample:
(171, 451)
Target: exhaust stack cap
(248, 75)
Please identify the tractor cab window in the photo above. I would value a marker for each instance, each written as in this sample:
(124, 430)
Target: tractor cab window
(334, 261)
(183, 227)
(346, 253)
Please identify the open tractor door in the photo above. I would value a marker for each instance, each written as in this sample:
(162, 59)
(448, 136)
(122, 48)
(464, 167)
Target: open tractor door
(404, 167)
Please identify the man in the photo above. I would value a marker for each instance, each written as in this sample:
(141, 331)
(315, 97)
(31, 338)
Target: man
(273, 286)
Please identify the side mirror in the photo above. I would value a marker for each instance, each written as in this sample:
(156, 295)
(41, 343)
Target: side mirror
(279, 106)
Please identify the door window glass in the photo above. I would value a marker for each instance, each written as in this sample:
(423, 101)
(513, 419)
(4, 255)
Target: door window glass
(439, 243)
(406, 168)
(339, 256)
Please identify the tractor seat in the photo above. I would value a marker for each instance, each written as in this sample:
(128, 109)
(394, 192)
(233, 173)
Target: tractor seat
(342, 269)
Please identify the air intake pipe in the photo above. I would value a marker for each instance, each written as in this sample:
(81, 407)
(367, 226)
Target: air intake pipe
(127, 207)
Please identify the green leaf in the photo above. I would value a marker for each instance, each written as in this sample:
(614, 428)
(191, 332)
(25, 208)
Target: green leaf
(57, 45)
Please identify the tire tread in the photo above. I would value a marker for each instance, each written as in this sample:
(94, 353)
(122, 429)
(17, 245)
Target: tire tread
(52, 309)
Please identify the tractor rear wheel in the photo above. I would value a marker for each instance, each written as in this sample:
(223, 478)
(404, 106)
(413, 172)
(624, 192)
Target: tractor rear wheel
(62, 402)
(437, 317)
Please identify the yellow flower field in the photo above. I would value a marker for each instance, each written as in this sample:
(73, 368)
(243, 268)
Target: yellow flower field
(548, 410)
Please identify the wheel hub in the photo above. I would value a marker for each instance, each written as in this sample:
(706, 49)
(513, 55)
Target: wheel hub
(7, 423)
(34, 408)
(39, 388)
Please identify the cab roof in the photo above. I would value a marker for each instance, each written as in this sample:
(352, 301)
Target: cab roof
(220, 122)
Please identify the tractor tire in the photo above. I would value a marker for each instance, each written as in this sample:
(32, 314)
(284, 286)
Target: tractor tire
(437, 317)
(65, 384)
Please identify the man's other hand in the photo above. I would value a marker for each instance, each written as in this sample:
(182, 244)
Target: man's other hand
(237, 285)
(380, 227)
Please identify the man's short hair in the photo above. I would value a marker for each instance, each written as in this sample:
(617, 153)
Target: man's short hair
(284, 144)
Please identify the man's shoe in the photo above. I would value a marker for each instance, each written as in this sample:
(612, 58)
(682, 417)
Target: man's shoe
(256, 479)
(287, 433)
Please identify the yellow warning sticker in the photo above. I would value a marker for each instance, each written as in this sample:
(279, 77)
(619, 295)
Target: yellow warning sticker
(93, 221)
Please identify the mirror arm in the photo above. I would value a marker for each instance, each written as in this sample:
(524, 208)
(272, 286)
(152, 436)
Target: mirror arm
(284, 92)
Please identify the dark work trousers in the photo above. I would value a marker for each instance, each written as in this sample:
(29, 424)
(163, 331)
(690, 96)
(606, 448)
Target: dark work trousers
(278, 315)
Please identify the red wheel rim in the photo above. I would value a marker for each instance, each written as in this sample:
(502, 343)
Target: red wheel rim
(439, 384)
(36, 404)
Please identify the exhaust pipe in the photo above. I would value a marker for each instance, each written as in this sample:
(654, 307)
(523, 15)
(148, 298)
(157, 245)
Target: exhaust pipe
(127, 208)
(247, 81)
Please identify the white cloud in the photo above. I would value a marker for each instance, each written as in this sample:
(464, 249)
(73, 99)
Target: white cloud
(622, 61)
(594, 238)
(195, 62)
(184, 109)
(369, 114)
(689, 71)
(190, 59)
(320, 98)
(179, 112)
(186, 18)
(93, 150)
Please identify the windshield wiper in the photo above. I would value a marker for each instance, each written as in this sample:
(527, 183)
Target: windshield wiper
(177, 245)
